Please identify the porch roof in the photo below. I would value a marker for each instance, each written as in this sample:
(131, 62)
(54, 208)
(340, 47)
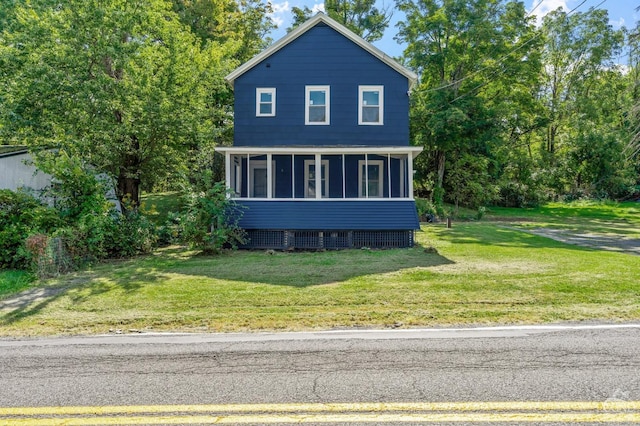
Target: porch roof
(323, 150)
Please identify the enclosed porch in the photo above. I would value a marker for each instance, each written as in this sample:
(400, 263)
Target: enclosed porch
(346, 173)
(314, 198)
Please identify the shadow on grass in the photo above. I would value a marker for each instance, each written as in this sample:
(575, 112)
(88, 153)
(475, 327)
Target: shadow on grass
(294, 269)
(304, 269)
(79, 287)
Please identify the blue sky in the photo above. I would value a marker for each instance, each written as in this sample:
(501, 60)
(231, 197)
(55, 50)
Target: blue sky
(621, 13)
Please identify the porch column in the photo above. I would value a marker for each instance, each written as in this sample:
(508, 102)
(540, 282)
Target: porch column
(366, 175)
(344, 180)
(318, 176)
(389, 172)
(248, 177)
(293, 176)
(410, 160)
(269, 176)
(227, 173)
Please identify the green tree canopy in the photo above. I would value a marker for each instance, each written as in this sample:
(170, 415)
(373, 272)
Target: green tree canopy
(360, 16)
(122, 84)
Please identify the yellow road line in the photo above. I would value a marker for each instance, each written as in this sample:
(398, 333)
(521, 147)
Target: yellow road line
(626, 418)
(330, 407)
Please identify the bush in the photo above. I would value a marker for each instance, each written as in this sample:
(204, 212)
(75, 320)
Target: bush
(130, 234)
(21, 215)
(210, 222)
(49, 256)
(427, 211)
(514, 194)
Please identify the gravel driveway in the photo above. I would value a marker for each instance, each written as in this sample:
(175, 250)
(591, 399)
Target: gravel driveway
(595, 241)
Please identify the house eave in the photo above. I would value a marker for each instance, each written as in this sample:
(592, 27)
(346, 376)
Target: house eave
(303, 28)
(323, 150)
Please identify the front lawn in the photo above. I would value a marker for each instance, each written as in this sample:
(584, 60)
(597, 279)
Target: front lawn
(485, 272)
(12, 281)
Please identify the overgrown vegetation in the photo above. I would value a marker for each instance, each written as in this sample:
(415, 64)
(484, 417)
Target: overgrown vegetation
(84, 226)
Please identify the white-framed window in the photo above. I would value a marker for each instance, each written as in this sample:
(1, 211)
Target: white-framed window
(265, 102)
(371, 105)
(310, 177)
(258, 179)
(370, 178)
(317, 105)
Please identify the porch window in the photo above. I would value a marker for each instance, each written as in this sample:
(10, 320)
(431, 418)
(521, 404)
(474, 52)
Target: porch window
(310, 177)
(317, 105)
(370, 105)
(370, 178)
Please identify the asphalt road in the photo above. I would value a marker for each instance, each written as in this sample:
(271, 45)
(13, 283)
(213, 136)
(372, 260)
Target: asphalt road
(267, 373)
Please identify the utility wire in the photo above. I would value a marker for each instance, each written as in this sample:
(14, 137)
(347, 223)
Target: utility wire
(501, 59)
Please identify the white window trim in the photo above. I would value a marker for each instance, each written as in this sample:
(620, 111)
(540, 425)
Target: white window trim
(261, 164)
(367, 163)
(327, 107)
(325, 166)
(270, 90)
(361, 90)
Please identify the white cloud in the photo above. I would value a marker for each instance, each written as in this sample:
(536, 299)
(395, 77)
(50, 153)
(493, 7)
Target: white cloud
(317, 8)
(280, 12)
(546, 6)
(617, 24)
(280, 8)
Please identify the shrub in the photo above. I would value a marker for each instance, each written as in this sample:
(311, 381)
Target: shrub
(20, 216)
(49, 256)
(427, 211)
(210, 221)
(130, 234)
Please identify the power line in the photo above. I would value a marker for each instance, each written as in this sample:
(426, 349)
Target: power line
(501, 59)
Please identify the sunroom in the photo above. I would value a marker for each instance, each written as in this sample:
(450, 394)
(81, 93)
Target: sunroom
(346, 173)
(360, 197)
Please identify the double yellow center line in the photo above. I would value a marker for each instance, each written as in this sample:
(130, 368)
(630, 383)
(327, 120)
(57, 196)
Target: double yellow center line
(627, 412)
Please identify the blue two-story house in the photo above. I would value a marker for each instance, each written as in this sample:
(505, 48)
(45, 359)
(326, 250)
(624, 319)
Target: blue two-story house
(321, 155)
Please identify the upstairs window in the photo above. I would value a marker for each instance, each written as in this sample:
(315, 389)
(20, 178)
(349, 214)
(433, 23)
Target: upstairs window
(265, 102)
(317, 105)
(370, 105)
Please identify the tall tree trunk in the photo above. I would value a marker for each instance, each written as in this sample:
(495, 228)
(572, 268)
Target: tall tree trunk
(128, 190)
(440, 161)
(129, 177)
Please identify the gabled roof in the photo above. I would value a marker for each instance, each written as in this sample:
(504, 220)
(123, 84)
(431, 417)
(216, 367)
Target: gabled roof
(298, 31)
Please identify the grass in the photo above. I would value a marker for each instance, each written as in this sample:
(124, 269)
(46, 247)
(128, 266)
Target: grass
(158, 206)
(483, 273)
(12, 281)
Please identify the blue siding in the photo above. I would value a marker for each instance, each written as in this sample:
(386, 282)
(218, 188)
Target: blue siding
(329, 215)
(321, 56)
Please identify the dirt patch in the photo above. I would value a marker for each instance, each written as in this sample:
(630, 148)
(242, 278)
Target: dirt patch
(596, 241)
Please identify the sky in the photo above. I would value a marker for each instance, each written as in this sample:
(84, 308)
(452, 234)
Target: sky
(621, 13)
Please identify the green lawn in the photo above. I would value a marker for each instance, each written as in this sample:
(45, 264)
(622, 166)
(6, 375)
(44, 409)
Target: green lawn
(486, 272)
(12, 282)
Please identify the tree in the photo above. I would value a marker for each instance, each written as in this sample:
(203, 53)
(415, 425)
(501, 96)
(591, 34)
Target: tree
(584, 93)
(477, 62)
(246, 22)
(122, 85)
(360, 16)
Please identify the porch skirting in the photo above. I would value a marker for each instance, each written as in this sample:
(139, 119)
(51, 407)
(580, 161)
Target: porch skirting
(327, 239)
